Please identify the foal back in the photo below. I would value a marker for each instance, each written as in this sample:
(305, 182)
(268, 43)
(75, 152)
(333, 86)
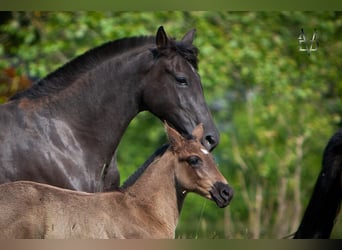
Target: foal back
(34, 210)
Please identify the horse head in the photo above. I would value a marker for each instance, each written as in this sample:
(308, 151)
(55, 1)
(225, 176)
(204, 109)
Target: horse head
(173, 89)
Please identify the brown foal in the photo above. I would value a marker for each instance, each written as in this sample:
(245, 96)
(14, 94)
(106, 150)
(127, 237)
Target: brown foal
(147, 208)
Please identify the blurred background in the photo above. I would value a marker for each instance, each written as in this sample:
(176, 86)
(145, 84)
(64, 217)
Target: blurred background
(275, 106)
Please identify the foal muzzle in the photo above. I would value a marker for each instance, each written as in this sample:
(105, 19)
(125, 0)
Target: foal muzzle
(222, 194)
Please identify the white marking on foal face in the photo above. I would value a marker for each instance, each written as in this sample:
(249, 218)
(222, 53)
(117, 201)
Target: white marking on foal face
(204, 151)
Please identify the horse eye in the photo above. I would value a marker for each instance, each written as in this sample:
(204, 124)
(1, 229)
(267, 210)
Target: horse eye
(182, 81)
(194, 161)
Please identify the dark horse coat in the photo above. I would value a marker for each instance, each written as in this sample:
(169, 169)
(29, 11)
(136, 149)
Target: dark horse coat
(325, 202)
(64, 130)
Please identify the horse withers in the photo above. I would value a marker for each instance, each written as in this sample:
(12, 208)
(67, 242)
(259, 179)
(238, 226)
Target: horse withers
(65, 129)
(148, 206)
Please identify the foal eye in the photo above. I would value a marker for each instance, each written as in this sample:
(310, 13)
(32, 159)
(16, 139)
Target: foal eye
(182, 81)
(194, 161)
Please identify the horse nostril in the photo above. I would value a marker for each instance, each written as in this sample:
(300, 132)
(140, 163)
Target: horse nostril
(211, 142)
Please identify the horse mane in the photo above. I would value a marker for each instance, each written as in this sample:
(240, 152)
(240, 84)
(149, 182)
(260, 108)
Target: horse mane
(69, 72)
(135, 176)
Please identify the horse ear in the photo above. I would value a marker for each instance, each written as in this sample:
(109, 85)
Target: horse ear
(161, 38)
(189, 37)
(198, 132)
(175, 138)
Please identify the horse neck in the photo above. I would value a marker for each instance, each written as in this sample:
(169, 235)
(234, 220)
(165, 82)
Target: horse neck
(104, 99)
(117, 84)
(156, 190)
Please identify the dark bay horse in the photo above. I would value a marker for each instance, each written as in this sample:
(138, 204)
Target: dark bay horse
(65, 129)
(148, 206)
(325, 202)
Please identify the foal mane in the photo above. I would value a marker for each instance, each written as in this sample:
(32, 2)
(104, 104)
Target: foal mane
(135, 176)
(156, 155)
(69, 72)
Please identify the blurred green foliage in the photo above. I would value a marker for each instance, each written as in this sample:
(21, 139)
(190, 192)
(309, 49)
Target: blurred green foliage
(275, 106)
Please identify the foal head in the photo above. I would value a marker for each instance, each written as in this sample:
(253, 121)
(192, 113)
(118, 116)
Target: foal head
(196, 170)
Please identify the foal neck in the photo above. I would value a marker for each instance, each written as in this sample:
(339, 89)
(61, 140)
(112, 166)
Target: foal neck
(156, 191)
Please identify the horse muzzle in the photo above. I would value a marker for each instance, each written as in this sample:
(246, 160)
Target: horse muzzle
(222, 194)
(210, 141)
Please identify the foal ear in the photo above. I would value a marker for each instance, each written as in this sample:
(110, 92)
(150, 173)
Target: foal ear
(175, 138)
(189, 37)
(161, 38)
(198, 132)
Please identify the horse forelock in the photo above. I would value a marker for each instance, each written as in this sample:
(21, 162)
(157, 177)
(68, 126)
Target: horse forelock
(188, 52)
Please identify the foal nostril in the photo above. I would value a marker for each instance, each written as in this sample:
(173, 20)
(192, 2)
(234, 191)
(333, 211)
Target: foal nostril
(227, 193)
(222, 194)
(210, 142)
